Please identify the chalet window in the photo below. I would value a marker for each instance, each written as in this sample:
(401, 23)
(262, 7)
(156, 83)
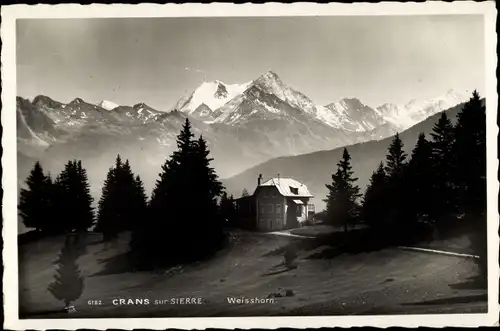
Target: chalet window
(270, 224)
(279, 222)
(270, 208)
(278, 208)
(294, 190)
(263, 208)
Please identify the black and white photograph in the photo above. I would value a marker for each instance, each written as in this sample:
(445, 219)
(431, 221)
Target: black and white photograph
(330, 163)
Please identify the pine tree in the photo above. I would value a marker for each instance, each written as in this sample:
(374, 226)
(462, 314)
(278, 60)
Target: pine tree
(395, 159)
(35, 203)
(74, 202)
(205, 216)
(419, 181)
(154, 241)
(183, 208)
(470, 177)
(107, 218)
(123, 201)
(84, 201)
(375, 201)
(395, 169)
(442, 144)
(470, 149)
(244, 193)
(140, 203)
(68, 283)
(342, 206)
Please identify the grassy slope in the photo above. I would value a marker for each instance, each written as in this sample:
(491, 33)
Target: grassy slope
(387, 281)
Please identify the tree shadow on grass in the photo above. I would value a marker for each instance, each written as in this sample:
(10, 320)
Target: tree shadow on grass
(453, 300)
(471, 283)
(113, 265)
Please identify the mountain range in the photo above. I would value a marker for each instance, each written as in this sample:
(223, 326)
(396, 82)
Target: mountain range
(315, 169)
(245, 125)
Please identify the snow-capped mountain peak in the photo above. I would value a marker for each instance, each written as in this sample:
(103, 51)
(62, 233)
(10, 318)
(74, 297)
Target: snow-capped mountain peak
(349, 114)
(271, 83)
(108, 105)
(212, 94)
(417, 110)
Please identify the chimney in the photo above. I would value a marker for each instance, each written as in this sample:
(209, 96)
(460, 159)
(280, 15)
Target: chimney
(259, 179)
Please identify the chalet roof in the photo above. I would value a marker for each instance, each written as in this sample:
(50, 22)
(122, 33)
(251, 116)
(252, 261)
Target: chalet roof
(289, 187)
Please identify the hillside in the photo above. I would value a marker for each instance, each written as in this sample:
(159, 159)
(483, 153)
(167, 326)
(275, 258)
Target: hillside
(389, 281)
(315, 169)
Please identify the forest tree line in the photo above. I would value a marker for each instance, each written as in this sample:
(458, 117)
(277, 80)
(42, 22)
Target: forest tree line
(442, 183)
(184, 218)
(182, 221)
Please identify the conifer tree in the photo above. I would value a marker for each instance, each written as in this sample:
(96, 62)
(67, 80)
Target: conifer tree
(395, 159)
(36, 202)
(68, 282)
(341, 203)
(123, 201)
(244, 193)
(140, 204)
(85, 219)
(375, 201)
(396, 162)
(470, 149)
(470, 178)
(442, 143)
(205, 216)
(74, 202)
(107, 218)
(419, 181)
(183, 208)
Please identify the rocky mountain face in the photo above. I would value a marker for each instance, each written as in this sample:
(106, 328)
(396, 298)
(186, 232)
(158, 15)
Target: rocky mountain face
(244, 124)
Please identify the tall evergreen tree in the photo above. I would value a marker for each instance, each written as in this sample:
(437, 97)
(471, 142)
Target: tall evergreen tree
(74, 201)
(36, 202)
(341, 203)
(183, 207)
(470, 148)
(108, 221)
(375, 201)
(244, 193)
(395, 159)
(396, 162)
(123, 201)
(419, 181)
(140, 203)
(442, 144)
(470, 178)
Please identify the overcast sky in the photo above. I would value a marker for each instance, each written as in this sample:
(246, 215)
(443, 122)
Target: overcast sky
(158, 60)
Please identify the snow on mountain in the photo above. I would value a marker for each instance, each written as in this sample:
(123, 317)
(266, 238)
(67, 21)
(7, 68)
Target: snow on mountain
(417, 110)
(212, 94)
(350, 114)
(108, 105)
(146, 113)
(272, 84)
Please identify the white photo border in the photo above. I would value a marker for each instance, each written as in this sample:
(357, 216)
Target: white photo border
(9, 177)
